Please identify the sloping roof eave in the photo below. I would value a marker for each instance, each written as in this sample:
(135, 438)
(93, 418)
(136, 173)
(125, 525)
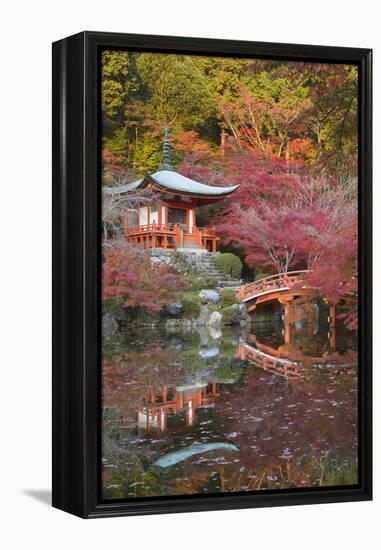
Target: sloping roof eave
(201, 190)
(212, 192)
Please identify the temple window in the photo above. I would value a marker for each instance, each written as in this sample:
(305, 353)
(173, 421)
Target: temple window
(132, 218)
(154, 214)
(177, 216)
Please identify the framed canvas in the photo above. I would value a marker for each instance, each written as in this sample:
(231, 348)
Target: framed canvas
(212, 274)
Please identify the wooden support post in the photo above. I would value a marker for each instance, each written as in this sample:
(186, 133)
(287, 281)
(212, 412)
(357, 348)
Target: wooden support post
(179, 399)
(153, 241)
(332, 339)
(159, 218)
(214, 245)
(287, 333)
(165, 238)
(332, 315)
(287, 312)
(287, 320)
(199, 396)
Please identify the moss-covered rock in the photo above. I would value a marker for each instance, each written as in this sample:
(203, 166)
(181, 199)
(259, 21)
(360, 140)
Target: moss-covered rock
(191, 305)
(228, 315)
(228, 297)
(195, 281)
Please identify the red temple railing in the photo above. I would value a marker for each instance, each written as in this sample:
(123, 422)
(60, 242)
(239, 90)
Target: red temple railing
(171, 235)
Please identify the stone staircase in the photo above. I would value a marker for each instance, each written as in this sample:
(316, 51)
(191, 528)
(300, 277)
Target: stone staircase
(191, 245)
(205, 263)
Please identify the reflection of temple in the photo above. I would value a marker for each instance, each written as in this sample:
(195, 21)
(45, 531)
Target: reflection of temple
(153, 414)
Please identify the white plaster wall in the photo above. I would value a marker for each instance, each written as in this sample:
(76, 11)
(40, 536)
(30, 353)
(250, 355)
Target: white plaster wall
(154, 216)
(143, 213)
(191, 219)
(163, 214)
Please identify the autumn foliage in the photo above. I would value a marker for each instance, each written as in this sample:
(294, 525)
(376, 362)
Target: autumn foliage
(287, 132)
(131, 279)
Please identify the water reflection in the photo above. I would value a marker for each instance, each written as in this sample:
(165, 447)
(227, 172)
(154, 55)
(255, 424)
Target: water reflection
(213, 411)
(181, 400)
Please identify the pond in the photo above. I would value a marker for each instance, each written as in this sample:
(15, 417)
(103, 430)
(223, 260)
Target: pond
(218, 410)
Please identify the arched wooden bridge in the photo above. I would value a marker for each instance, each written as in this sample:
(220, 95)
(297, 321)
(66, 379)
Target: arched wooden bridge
(276, 287)
(283, 287)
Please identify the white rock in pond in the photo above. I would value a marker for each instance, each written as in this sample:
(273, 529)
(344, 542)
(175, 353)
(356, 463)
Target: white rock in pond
(210, 296)
(215, 333)
(215, 319)
(209, 353)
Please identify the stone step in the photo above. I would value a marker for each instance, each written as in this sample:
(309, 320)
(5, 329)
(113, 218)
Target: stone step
(205, 264)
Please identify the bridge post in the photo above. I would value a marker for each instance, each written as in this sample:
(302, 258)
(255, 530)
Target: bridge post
(287, 309)
(287, 319)
(287, 333)
(332, 315)
(332, 338)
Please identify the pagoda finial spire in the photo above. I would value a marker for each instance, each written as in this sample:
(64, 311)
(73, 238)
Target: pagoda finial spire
(166, 159)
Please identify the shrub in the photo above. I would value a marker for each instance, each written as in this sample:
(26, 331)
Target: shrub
(230, 264)
(198, 282)
(228, 297)
(131, 279)
(228, 315)
(191, 305)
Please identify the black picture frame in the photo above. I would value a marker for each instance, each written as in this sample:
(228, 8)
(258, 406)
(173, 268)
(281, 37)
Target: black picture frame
(76, 273)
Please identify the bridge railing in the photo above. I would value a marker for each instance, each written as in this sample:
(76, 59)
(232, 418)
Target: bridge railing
(282, 367)
(273, 282)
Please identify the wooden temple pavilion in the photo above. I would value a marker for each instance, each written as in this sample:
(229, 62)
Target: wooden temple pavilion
(170, 222)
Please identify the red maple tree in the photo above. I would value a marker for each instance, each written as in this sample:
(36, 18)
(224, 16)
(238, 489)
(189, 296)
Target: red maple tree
(131, 279)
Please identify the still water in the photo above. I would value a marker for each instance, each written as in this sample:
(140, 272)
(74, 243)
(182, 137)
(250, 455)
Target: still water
(215, 410)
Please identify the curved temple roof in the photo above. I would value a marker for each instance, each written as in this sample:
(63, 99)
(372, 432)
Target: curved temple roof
(167, 179)
(175, 182)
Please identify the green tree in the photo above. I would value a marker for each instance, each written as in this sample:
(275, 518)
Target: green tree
(178, 93)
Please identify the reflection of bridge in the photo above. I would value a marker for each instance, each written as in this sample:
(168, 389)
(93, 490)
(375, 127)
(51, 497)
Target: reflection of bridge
(270, 363)
(287, 360)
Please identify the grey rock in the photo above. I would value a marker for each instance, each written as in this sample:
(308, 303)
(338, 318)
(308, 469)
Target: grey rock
(203, 317)
(109, 325)
(174, 309)
(239, 309)
(209, 296)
